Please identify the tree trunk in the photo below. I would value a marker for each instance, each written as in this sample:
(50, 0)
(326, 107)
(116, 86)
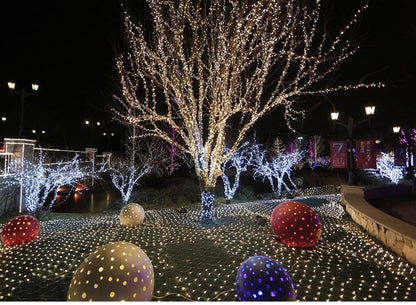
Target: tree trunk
(207, 203)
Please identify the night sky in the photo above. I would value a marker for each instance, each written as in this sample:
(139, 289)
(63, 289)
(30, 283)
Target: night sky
(68, 48)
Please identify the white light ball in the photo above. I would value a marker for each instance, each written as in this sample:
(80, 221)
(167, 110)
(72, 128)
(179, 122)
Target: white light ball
(132, 215)
(117, 271)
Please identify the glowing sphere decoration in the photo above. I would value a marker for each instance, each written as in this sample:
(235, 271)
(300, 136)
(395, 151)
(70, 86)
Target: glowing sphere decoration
(132, 215)
(261, 278)
(19, 230)
(295, 224)
(117, 271)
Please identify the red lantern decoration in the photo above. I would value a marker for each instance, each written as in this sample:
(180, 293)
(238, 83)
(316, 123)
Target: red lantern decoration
(19, 230)
(295, 224)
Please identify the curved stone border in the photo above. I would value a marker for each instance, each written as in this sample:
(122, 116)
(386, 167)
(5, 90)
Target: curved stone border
(394, 233)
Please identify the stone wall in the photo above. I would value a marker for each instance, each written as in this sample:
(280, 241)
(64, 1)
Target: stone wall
(394, 233)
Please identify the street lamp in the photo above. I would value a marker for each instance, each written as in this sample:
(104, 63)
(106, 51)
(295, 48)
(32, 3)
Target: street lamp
(23, 94)
(396, 129)
(350, 126)
(91, 125)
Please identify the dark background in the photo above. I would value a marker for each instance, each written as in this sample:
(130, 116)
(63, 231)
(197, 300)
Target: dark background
(68, 48)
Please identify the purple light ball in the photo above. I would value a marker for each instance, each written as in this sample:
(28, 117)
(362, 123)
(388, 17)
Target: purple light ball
(261, 278)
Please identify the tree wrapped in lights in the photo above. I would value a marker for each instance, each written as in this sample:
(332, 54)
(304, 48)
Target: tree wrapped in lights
(202, 67)
(387, 169)
(39, 181)
(316, 148)
(277, 167)
(144, 157)
(239, 162)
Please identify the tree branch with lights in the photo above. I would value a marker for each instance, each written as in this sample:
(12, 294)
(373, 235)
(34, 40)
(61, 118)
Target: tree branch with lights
(143, 157)
(238, 163)
(204, 66)
(40, 182)
(276, 167)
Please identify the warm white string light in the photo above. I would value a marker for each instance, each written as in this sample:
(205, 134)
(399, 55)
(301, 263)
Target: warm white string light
(199, 261)
(204, 69)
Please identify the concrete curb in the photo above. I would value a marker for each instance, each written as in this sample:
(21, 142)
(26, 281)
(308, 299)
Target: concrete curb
(394, 233)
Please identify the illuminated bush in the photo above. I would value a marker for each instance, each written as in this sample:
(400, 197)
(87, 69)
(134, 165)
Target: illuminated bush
(296, 224)
(19, 230)
(261, 278)
(118, 271)
(132, 215)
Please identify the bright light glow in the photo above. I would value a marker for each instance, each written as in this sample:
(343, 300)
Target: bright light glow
(98, 123)
(207, 65)
(11, 85)
(40, 180)
(3, 118)
(238, 163)
(35, 87)
(387, 169)
(87, 122)
(43, 131)
(369, 110)
(396, 129)
(277, 167)
(334, 115)
(104, 134)
(33, 131)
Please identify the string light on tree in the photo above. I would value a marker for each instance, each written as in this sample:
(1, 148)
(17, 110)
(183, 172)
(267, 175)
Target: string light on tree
(276, 167)
(239, 161)
(204, 71)
(387, 169)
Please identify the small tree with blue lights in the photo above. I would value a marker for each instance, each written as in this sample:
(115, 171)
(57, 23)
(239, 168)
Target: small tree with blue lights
(278, 166)
(41, 181)
(143, 156)
(238, 163)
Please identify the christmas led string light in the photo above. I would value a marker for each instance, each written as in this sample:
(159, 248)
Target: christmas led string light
(239, 161)
(387, 169)
(276, 168)
(200, 262)
(39, 180)
(204, 69)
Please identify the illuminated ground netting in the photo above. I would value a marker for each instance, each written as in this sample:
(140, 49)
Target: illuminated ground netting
(199, 262)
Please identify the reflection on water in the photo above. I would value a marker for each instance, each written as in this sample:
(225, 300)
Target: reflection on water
(87, 202)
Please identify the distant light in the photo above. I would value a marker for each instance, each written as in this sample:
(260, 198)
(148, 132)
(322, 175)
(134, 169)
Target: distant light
(43, 131)
(112, 134)
(378, 141)
(3, 118)
(11, 85)
(334, 115)
(369, 110)
(98, 123)
(87, 122)
(33, 130)
(35, 87)
(104, 134)
(396, 129)
(300, 138)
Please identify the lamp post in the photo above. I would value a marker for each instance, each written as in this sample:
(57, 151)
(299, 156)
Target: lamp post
(91, 125)
(23, 94)
(350, 126)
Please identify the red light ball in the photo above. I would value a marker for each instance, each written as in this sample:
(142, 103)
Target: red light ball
(295, 224)
(19, 230)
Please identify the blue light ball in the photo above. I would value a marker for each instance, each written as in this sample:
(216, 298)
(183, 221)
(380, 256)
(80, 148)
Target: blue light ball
(261, 278)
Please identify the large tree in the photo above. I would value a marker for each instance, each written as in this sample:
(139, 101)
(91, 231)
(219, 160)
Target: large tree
(202, 67)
